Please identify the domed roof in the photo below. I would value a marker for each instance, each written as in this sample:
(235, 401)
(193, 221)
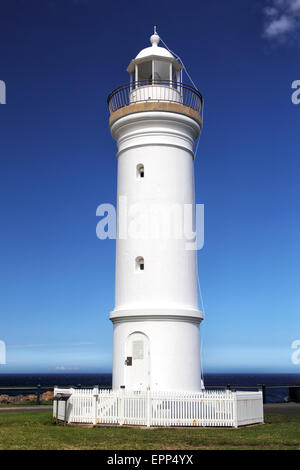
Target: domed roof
(158, 51)
(154, 50)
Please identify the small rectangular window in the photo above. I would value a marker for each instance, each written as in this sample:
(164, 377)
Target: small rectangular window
(138, 349)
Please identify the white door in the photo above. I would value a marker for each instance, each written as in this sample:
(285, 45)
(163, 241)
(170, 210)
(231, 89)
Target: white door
(137, 362)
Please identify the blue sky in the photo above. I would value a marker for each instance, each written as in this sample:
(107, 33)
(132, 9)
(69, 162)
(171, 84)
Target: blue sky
(60, 60)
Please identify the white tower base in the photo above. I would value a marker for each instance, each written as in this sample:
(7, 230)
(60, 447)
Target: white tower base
(157, 345)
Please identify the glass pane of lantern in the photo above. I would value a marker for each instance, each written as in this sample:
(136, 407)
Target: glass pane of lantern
(174, 78)
(145, 72)
(161, 70)
(132, 81)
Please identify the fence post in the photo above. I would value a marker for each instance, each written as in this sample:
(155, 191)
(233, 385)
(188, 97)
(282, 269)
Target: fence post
(56, 414)
(71, 405)
(235, 414)
(38, 394)
(65, 420)
(122, 400)
(149, 409)
(95, 404)
(264, 393)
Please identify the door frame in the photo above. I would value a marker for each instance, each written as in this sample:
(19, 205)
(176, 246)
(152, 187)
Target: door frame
(128, 350)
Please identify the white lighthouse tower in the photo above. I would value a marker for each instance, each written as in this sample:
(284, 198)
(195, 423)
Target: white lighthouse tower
(155, 121)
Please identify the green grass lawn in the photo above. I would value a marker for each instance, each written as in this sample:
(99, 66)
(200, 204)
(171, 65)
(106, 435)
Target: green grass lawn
(35, 430)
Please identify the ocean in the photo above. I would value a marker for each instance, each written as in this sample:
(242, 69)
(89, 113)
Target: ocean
(247, 381)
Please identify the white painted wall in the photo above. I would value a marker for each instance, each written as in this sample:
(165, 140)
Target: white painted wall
(161, 301)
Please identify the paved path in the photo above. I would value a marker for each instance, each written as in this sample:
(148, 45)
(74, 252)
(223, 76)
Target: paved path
(13, 409)
(282, 408)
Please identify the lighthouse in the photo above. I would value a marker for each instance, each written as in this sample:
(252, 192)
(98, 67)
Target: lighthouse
(155, 120)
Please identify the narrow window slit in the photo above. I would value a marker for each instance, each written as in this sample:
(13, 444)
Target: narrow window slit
(139, 264)
(140, 173)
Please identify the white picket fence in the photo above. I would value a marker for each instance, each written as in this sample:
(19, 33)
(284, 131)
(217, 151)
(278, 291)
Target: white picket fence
(206, 408)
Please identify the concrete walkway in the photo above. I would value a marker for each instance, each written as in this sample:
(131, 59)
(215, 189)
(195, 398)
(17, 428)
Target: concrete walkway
(282, 408)
(13, 409)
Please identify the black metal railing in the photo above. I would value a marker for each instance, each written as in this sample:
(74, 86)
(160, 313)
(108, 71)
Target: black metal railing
(149, 91)
(292, 390)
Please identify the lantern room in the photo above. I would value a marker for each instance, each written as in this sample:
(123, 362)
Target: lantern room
(154, 64)
(155, 74)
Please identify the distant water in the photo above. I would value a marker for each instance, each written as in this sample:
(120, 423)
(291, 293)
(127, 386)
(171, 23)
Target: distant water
(105, 380)
(273, 395)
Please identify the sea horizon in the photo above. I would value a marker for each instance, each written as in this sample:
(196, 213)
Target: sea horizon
(243, 380)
